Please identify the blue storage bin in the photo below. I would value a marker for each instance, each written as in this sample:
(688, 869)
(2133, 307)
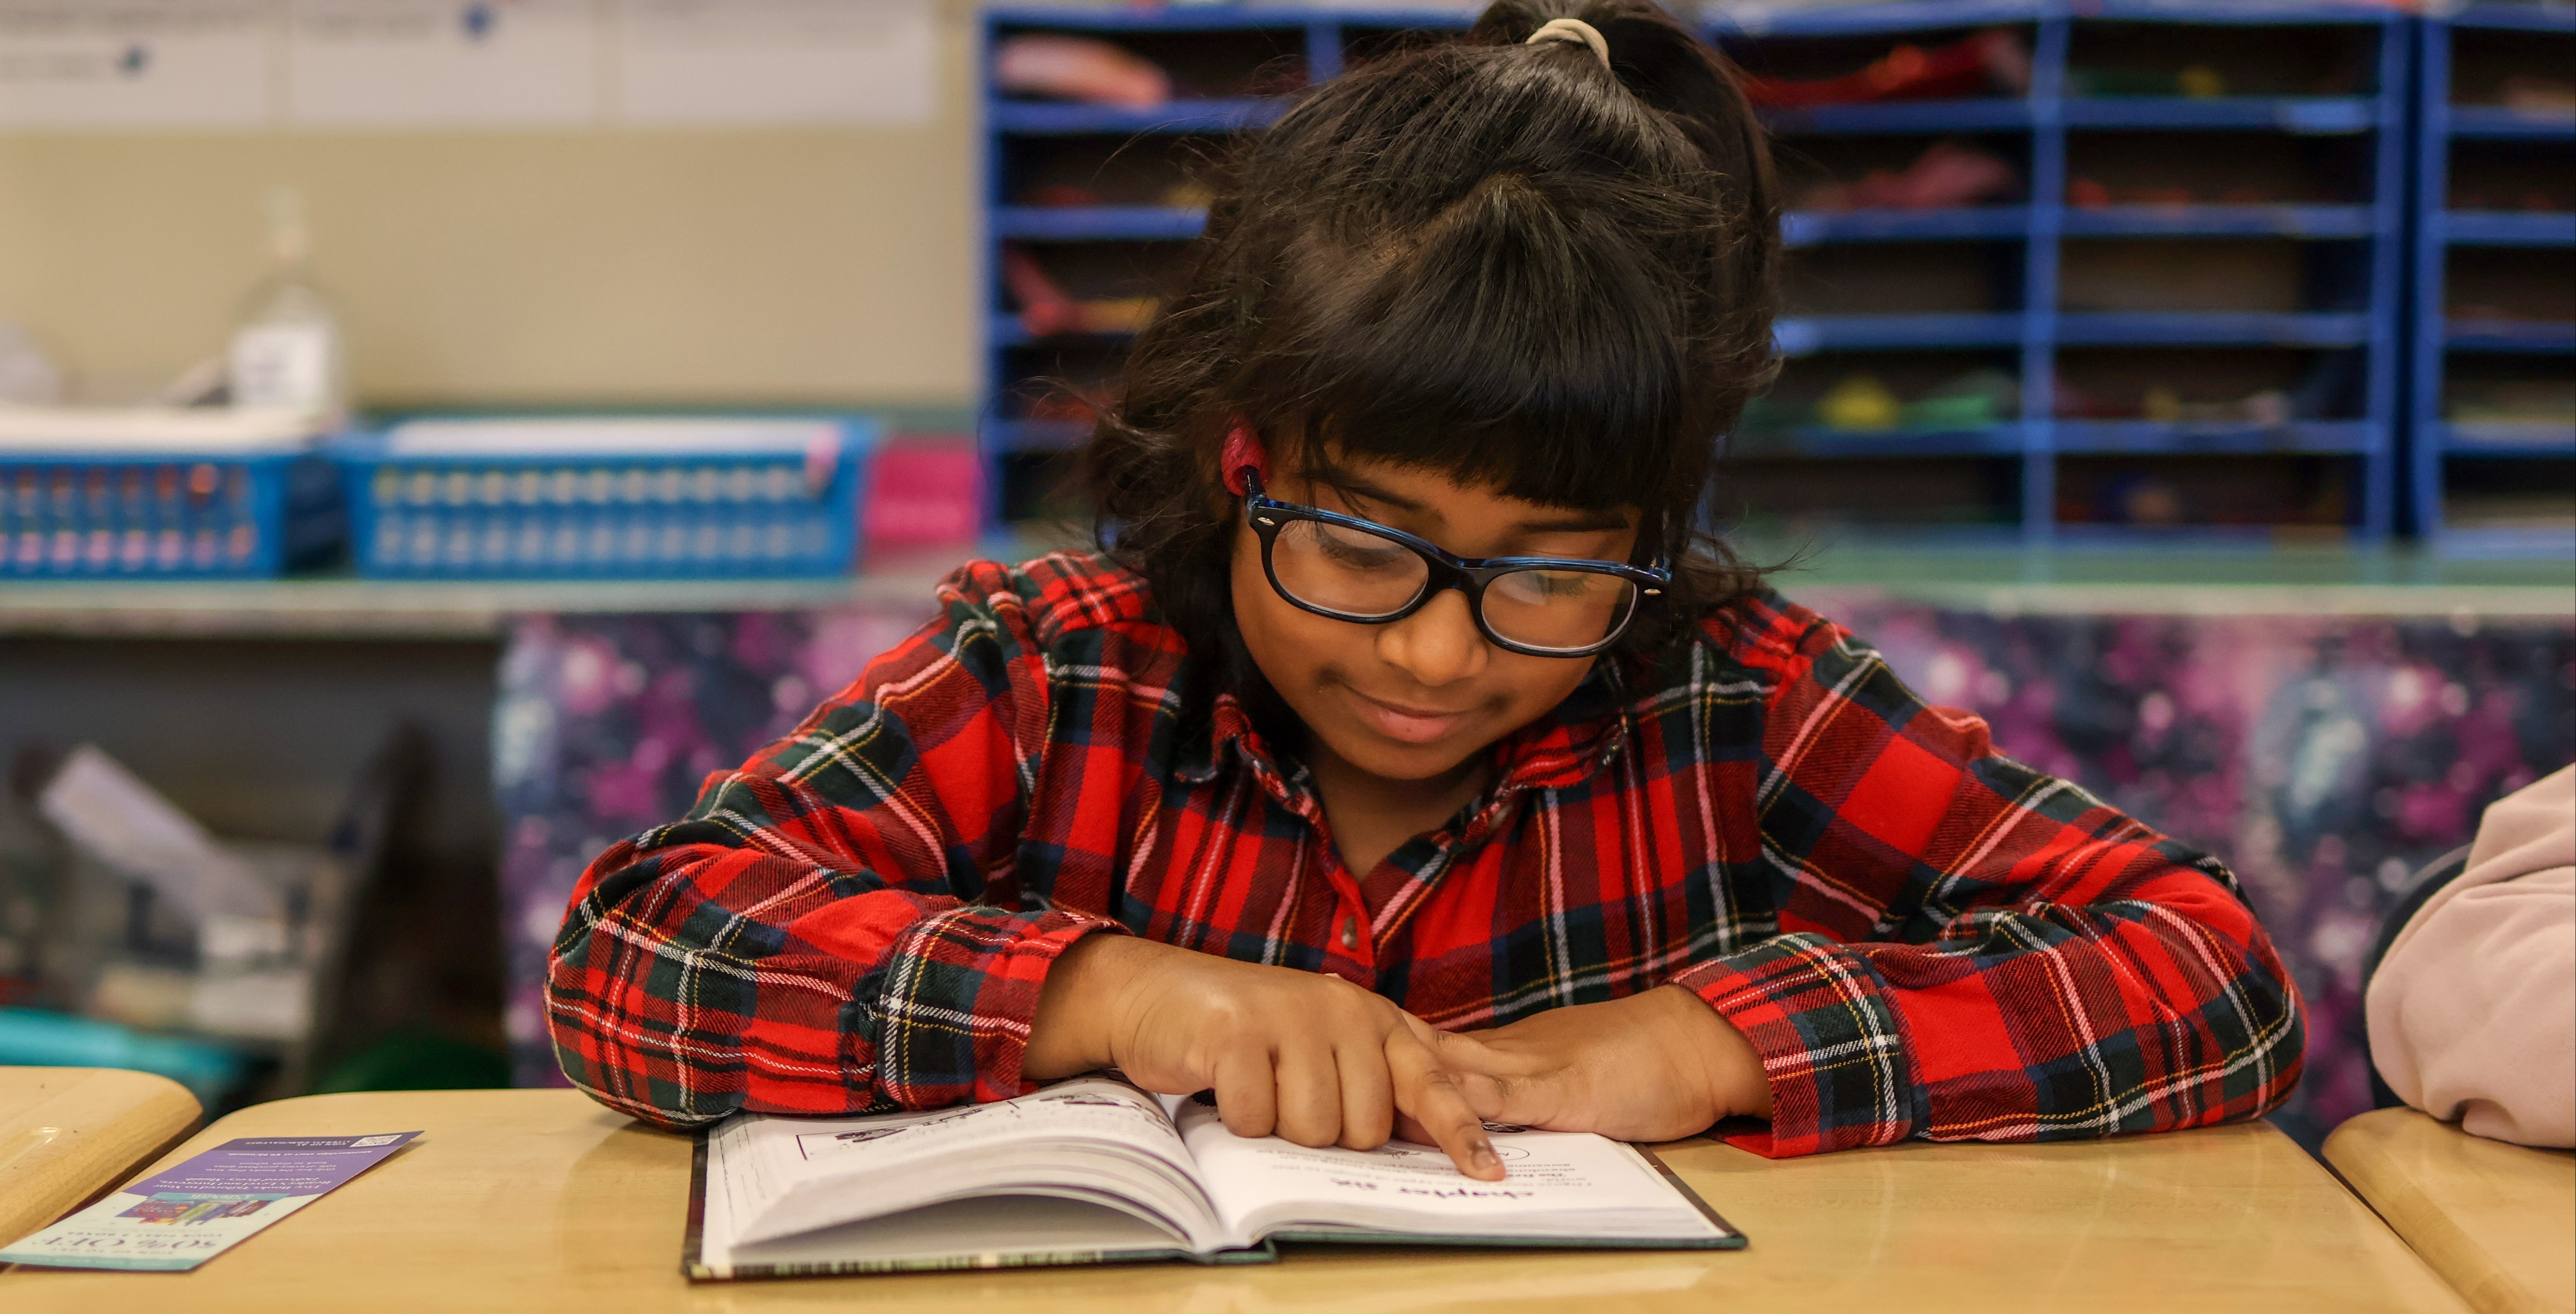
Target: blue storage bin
(607, 498)
(35, 1038)
(174, 513)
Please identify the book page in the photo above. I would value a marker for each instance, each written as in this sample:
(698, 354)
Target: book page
(1567, 1186)
(1090, 1108)
(1097, 1139)
(989, 1229)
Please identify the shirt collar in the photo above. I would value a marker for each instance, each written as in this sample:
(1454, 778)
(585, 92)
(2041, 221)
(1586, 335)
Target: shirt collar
(1564, 747)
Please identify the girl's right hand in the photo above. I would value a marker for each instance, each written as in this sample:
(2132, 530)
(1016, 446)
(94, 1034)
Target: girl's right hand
(1306, 1055)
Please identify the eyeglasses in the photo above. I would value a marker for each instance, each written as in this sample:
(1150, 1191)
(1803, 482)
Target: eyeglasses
(1359, 571)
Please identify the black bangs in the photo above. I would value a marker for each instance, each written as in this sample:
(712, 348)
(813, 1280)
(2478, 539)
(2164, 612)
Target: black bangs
(1505, 346)
(1504, 262)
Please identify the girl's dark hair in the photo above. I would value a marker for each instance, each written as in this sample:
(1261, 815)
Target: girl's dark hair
(1496, 260)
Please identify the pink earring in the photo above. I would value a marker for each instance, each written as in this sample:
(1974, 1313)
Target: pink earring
(1243, 451)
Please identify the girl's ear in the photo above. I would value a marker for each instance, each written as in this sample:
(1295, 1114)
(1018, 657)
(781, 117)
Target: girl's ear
(1243, 451)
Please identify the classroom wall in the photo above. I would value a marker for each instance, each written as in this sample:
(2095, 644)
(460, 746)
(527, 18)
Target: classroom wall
(813, 266)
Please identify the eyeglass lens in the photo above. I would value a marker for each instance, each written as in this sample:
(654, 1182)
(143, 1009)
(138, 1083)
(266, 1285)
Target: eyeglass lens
(1364, 576)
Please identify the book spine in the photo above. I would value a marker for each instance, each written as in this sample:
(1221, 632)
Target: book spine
(969, 1263)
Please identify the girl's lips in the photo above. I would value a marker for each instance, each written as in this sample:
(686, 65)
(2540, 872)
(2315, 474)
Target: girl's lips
(1409, 725)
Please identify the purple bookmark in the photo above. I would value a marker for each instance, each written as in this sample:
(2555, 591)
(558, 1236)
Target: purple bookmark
(176, 1220)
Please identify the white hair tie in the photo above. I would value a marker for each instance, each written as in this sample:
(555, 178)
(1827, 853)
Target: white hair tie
(1573, 29)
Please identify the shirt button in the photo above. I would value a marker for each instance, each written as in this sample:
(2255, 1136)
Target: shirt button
(1350, 932)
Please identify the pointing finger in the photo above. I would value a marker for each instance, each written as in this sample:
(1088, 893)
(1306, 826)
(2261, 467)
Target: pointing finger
(1431, 1102)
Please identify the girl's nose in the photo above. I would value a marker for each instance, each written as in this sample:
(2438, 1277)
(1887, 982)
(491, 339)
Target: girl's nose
(1437, 645)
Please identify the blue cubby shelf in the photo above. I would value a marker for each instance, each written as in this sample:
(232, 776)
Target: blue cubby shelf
(2345, 222)
(1996, 440)
(2135, 437)
(2538, 441)
(1807, 335)
(1906, 118)
(2212, 329)
(2488, 228)
(2242, 13)
(2438, 337)
(1800, 228)
(2497, 123)
(2312, 116)
(1046, 119)
(2366, 319)
(1098, 223)
(1889, 17)
(2513, 337)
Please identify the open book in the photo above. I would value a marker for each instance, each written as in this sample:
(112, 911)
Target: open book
(1094, 1170)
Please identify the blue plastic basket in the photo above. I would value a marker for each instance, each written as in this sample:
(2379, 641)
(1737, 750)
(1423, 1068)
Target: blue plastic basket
(172, 514)
(610, 498)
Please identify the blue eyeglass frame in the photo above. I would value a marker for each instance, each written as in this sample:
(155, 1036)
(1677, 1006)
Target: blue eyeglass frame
(1468, 575)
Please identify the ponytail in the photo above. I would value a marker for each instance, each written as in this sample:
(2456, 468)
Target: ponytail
(1675, 72)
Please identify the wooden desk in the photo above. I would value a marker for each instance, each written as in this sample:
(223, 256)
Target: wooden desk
(541, 1200)
(2497, 1221)
(68, 1133)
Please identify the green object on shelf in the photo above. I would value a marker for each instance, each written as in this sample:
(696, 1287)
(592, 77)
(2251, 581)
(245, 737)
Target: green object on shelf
(417, 1060)
(1950, 414)
(1978, 399)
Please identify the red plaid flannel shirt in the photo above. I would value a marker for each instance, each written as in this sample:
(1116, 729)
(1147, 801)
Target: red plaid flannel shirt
(1921, 936)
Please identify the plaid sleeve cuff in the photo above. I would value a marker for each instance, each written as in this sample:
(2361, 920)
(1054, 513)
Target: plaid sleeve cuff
(1832, 1045)
(961, 989)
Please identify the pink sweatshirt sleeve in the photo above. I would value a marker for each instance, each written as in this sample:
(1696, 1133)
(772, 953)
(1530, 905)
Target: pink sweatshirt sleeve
(2472, 1014)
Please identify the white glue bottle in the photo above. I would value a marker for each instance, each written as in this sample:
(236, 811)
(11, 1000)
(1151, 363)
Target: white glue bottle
(287, 353)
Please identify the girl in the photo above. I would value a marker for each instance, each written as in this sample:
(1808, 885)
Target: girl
(1405, 758)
